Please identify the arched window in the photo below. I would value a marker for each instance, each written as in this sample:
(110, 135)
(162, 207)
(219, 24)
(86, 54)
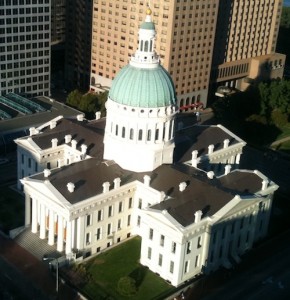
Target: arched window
(140, 134)
(146, 46)
(123, 132)
(198, 98)
(151, 45)
(149, 135)
(131, 134)
(156, 134)
(93, 81)
(141, 46)
(193, 99)
(116, 132)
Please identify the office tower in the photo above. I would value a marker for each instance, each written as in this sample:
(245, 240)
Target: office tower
(231, 41)
(78, 44)
(186, 31)
(245, 43)
(57, 21)
(25, 46)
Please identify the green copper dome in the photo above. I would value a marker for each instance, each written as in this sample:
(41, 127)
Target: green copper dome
(148, 25)
(143, 87)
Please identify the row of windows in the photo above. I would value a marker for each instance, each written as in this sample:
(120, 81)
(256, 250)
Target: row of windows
(21, 11)
(17, 29)
(110, 212)
(24, 46)
(23, 20)
(22, 2)
(23, 81)
(23, 38)
(33, 54)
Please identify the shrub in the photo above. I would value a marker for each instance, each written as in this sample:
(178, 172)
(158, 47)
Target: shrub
(127, 286)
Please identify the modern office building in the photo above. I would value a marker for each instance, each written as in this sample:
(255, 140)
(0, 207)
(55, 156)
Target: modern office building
(91, 185)
(78, 44)
(58, 21)
(25, 47)
(245, 43)
(202, 43)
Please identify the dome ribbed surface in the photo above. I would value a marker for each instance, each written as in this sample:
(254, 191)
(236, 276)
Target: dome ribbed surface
(148, 25)
(140, 87)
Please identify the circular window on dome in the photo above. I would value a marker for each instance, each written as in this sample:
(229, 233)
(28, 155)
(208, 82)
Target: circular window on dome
(142, 111)
(150, 111)
(133, 109)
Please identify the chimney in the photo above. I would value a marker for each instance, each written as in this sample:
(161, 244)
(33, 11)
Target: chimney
(147, 180)
(117, 182)
(194, 158)
(54, 143)
(106, 187)
(80, 117)
(98, 115)
(67, 138)
(182, 186)
(227, 169)
(74, 144)
(197, 216)
(226, 143)
(52, 124)
(70, 187)
(264, 184)
(210, 174)
(46, 173)
(84, 149)
(210, 149)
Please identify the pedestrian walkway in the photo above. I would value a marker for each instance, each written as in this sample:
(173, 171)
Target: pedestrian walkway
(34, 270)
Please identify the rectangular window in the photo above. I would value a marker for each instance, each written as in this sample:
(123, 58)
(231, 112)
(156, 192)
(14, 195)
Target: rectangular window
(88, 238)
(120, 206)
(149, 253)
(140, 203)
(173, 247)
(130, 202)
(99, 234)
(150, 234)
(100, 215)
(119, 224)
(89, 220)
(196, 260)
(171, 269)
(199, 242)
(110, 211)
(188, 247)
(160, 258)
(162, 238)
(186, 267)
(109, 229)
(129, 220)
(138, 221)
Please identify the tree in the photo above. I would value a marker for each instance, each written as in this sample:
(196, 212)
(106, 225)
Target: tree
(74, 98)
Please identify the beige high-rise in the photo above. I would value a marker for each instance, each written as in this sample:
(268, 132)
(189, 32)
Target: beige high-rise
(199, 41)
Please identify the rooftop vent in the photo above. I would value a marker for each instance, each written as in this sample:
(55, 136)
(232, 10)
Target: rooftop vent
(67, 138)
(106, 187)
(147, 180)
(210, 174)
(98, 115)
(46, 172)
(54, 143)
(70, 187)
(226, 143)
(52, 124)
(117, 182)
(197, 216)
(80, 117)
(182, 186)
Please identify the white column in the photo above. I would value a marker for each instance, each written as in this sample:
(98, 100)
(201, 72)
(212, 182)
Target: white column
(42, 221)
(51, 228)
(238, 157)
(27, 210)
(60, 230)
(34, 216)
(167, 131)
(80, 232)
(73, 233)
(68, 238)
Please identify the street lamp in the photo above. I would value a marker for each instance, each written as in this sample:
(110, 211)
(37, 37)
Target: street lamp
(56, 259)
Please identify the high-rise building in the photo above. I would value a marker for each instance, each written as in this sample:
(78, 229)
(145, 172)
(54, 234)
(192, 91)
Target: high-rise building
(227, 42)
(25, 47)
(58, 21)
(245, 43)
(186, 30)
(78, 44)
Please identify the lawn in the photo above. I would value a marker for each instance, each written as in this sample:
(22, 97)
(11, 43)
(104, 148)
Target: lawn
(11, 209)
(107, 268)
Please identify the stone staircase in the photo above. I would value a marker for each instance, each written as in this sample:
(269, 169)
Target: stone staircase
(33, 244)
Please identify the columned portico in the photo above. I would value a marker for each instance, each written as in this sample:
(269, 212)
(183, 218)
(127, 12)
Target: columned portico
(68, 246)
(80, 232)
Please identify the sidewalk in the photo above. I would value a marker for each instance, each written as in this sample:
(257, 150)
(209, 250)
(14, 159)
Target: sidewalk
(35, 271)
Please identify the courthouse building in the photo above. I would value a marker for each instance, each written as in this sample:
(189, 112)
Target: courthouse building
(138, 173)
